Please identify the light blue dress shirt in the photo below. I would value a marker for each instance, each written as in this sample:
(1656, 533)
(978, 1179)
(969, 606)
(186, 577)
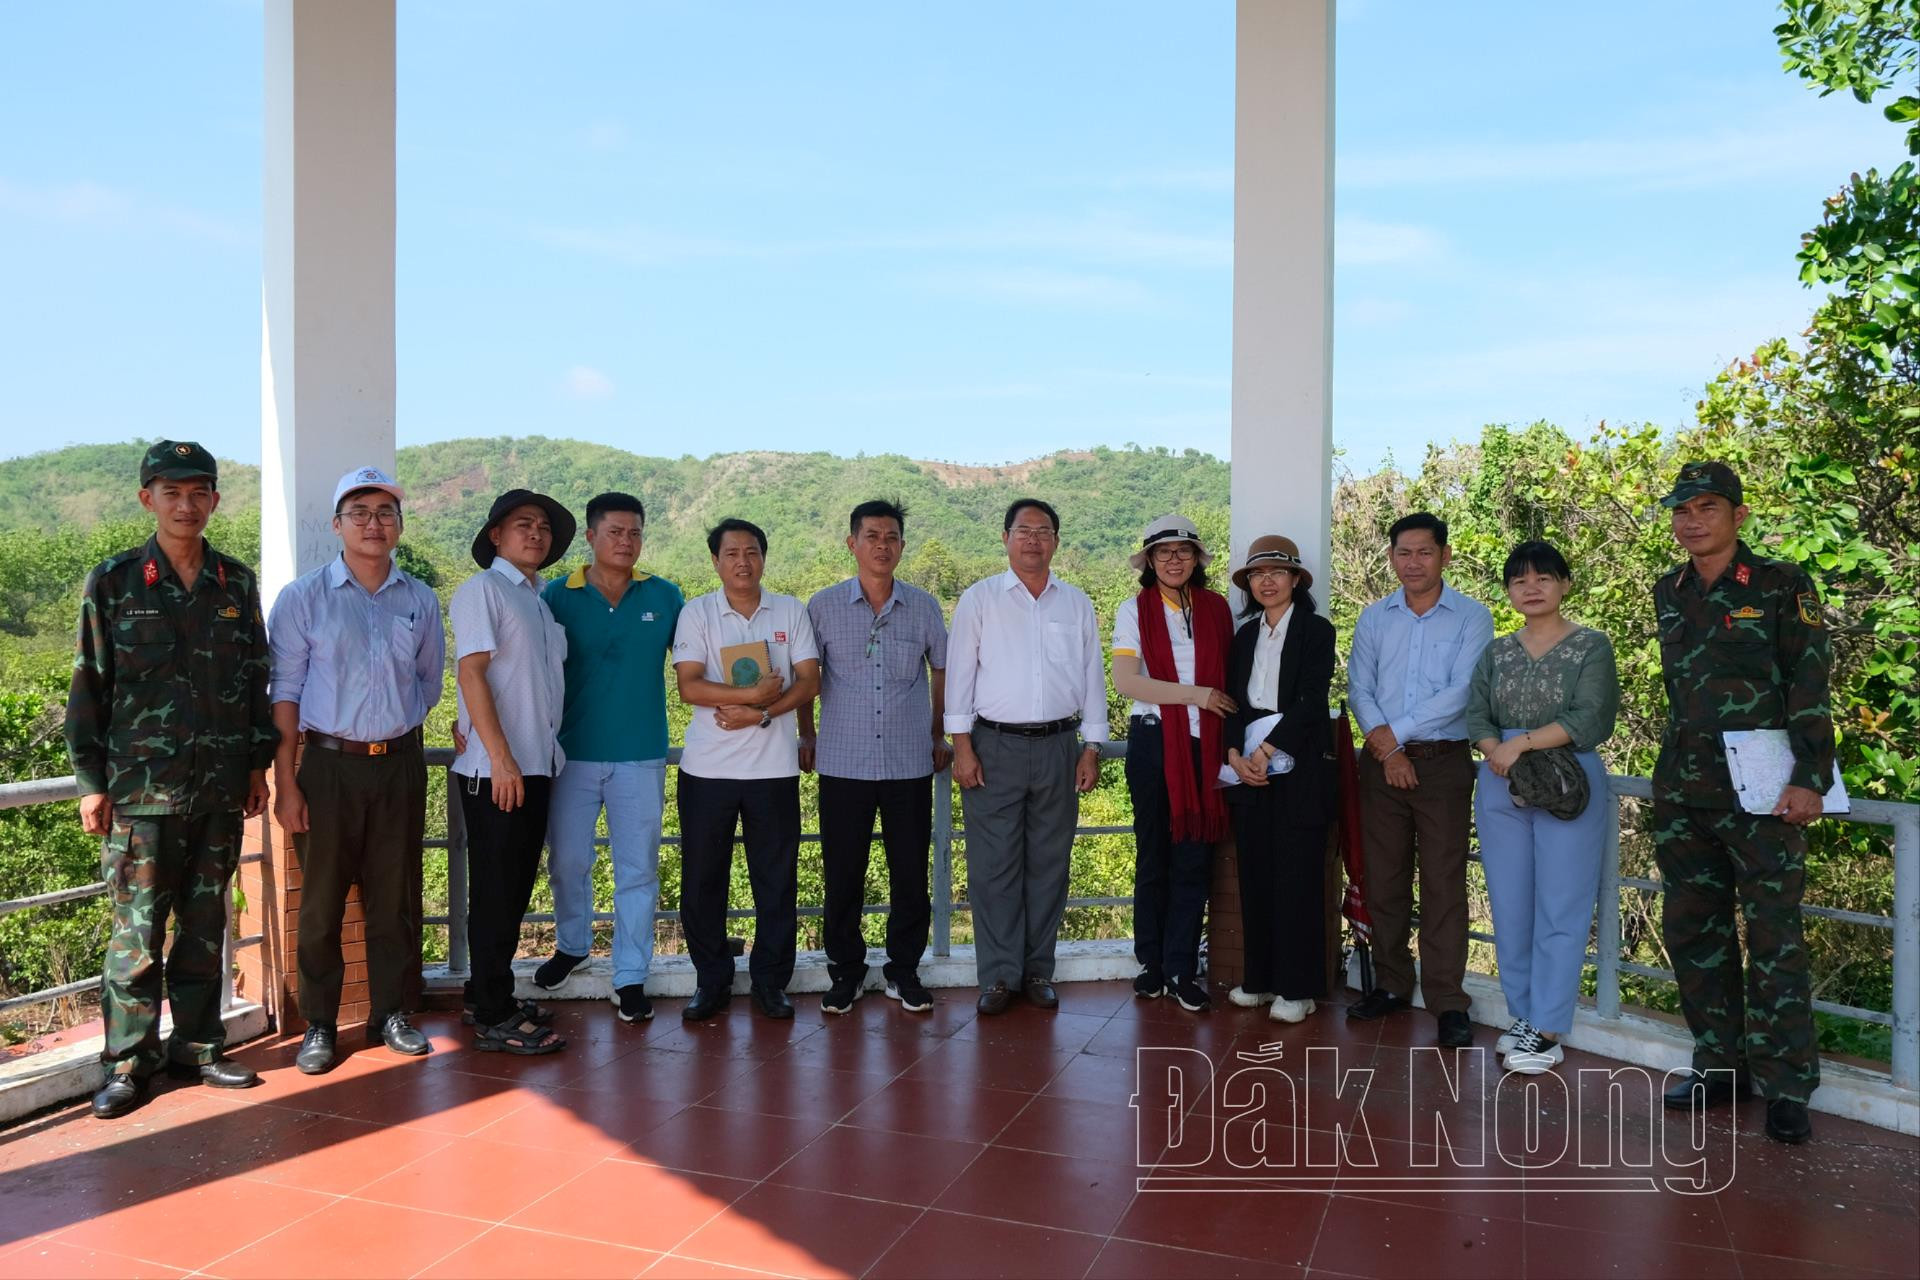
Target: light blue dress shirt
(363, 666)
(1412, 671)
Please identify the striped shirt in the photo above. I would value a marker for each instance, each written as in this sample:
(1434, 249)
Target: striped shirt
(876, 710)
(365, 667)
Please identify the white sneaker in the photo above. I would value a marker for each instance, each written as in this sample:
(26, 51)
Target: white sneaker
(1534, 1053)
(1512, 1036)
(1249, 999)
(1290, 1010)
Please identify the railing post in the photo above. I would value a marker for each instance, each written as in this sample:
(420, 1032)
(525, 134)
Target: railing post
(1606, 991)
(943, 862)
(1906, 949)
(456, 878)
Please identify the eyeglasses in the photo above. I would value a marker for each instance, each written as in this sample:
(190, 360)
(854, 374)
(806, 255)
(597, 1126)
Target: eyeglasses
(1181, 551)
(873, 632)
(1029, 533)
(1268, 575)
(358, 516)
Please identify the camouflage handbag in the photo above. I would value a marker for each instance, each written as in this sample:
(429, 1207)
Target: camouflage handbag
(1551, 779)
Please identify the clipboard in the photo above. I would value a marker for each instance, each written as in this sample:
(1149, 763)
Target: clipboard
(1760, 762)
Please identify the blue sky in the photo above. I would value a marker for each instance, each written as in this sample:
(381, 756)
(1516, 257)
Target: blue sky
(976, 232)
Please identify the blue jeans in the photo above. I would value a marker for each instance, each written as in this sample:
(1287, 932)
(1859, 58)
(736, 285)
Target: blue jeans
(633, 794)
(1543, 879)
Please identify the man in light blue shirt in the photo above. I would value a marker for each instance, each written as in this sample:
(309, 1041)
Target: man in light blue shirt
(1407, 680)
(358, 653)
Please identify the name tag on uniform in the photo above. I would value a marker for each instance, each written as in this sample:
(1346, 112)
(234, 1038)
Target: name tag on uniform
(646, 617)
(139, 613)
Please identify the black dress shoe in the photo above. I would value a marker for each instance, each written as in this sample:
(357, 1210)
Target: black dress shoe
(316, 1050)
(1787, 1121)
(1041, 995)
(401, 1036)
(772, 1002)
(122, 1092)
(1702, 1090)
(1456, 1029)
(1377, 1003)
(995, 999)
(221, 1073)
(706, 1002)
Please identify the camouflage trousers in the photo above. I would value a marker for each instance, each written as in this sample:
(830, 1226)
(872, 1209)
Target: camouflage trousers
(1714, 862)
(156, 867)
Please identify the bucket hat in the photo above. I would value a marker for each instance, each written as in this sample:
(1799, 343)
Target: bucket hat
(484, 552)
(1272, 549)
(1551, 779)
(1168, 528)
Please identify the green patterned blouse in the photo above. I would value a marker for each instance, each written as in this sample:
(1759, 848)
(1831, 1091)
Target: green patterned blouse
(1573, 684)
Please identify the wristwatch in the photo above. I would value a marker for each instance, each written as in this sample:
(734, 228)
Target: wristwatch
(765, 718)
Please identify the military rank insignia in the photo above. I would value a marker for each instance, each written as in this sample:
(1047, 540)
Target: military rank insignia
(1747, 612)
(152, 572)
(230, 612)
(1742, 574)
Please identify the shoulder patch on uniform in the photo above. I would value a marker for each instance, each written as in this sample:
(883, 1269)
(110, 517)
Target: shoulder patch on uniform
(1810, 609)
(1748, 611)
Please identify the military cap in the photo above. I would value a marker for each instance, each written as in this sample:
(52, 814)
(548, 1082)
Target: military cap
(1696, 478)
(177, 460)
(1551, 779)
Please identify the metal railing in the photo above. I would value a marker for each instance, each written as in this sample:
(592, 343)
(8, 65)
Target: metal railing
(1904, 923)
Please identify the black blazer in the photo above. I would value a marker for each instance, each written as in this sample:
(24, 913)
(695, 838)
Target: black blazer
(1306, 793)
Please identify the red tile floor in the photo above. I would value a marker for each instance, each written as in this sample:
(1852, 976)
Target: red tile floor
(882, 1144)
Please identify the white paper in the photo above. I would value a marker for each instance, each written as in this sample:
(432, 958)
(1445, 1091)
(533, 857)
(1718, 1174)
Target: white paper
(1256, 734)
(1761, 763)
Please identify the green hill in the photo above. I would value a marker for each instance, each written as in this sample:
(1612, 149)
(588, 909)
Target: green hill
(1105, 495)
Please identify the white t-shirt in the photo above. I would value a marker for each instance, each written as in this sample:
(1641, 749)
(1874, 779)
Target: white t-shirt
(709, 624)
(1126, 644)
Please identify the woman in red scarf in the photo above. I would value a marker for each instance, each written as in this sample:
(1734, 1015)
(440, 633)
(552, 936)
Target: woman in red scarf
(1170, 656)
(1280, 671)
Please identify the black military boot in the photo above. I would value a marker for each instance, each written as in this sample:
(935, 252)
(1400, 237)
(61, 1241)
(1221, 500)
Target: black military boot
(122, 1092)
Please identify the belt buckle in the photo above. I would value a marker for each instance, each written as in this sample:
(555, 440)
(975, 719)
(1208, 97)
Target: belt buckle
(376, 748)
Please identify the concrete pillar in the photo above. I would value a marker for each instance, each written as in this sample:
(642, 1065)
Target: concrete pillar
(326, 284)
(326, 369)
(1282, 452)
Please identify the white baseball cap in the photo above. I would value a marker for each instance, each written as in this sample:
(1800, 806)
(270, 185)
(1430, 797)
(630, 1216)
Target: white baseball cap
(367, 478)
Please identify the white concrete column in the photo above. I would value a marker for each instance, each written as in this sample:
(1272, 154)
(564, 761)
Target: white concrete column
(1283, 276)
(326, 285)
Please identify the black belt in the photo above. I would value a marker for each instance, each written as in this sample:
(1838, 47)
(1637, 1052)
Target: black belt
(1045, 729)
(390, 747)
(1428, 750)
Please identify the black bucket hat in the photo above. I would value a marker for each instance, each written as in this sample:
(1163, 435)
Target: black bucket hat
(1552, 780)
(484, 552)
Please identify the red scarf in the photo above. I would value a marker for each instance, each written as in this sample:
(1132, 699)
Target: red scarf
(1198, 811)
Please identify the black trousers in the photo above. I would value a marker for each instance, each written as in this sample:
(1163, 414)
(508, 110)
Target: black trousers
(1170, 878)
(1283, 899)
(767, 811)
(503, 857)
(366, 817)
(848, 807)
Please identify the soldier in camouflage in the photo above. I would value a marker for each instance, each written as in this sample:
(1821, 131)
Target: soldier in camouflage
(1742, 646)
(170, 735)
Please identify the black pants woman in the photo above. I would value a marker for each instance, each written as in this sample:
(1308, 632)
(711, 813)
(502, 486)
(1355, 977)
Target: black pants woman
(1279, 745)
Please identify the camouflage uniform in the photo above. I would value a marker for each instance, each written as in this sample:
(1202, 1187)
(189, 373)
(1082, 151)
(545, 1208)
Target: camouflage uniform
(1746, 652)
(167, 715)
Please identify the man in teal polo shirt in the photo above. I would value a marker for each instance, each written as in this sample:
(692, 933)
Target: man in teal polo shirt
(619, 622)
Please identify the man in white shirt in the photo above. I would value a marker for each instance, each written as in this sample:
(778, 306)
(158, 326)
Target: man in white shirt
(512, 684)
(1023, 673)
(741, 768)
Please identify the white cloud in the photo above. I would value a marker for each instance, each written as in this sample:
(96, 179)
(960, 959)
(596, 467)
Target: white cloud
(1362, 242)
(99, 207)
(585, 383)
(1036, 287)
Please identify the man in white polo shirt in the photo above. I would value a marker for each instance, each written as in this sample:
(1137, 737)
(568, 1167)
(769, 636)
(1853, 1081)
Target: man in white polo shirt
(741, 767)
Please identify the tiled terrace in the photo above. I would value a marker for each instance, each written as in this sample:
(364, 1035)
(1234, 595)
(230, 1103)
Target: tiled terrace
(876, 1144)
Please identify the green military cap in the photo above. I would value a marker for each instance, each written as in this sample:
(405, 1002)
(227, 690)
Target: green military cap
(1697, 478)
(177, 460)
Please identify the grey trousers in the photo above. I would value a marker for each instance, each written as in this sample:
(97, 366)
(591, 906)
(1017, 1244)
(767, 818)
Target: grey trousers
(1019, 841)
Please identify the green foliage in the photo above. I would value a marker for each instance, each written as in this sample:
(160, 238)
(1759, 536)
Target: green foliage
(1862, 46)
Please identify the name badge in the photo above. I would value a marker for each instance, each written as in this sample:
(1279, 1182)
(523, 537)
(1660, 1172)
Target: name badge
(139, 613)
(646, 617)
